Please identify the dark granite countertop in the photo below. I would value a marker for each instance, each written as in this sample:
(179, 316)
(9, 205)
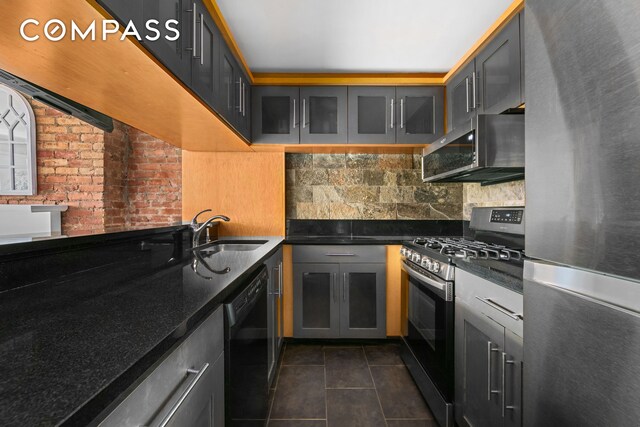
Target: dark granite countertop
(71, 346)
(346, 240)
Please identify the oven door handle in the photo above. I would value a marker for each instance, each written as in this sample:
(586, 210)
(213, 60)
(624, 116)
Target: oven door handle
(444, 288)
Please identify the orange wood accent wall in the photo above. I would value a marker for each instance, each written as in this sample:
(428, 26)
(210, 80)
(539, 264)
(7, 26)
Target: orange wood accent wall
(350, 79)
(115, 77)
(394, 291)
(247, 187)
(287, 282)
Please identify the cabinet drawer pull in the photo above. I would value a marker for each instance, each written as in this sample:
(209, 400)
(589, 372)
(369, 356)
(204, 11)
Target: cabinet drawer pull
(184, 395)
(500, 308)
(338, 254)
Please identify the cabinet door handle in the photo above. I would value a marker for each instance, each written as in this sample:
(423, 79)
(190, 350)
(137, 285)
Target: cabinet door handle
(344, 286)
(466, 86)
(201, 39)
(304, 113)
(402, 113)
(392, 111)
(280, 280)
(184, 395)
(194, 31)
(335, 290)
(473, 86)
(339, 254)
(500, 308)
(294, 113)
(489, 351)
(244, 100)
(240, 94)
(505, 362)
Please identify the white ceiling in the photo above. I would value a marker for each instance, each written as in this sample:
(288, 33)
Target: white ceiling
(357, 35)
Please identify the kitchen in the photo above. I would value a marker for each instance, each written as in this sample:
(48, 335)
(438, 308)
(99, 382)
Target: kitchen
(325, 217)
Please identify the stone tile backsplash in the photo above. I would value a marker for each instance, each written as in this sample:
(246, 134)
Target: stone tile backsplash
(505, 194)
(366, 186)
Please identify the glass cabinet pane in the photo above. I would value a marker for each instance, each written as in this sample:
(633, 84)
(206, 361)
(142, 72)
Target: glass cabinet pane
(460, 103)
(275, 115)
(372, 111)
(419, 117)
(316, 300)
(362, 300)
(323, 114)
(497, 74)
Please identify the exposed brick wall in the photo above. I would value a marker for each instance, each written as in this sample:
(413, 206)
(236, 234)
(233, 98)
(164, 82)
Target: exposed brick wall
(155, 181)
(109, 180)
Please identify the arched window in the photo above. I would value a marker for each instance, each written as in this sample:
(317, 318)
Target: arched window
(17, 144)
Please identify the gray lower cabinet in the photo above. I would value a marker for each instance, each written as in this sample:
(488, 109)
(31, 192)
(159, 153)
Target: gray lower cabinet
(323, 115)
(186, 389)
(498, 67)
(275, 117)
(489, 350)
(363, 303)
(339, 291)
(275, 311)
(316, 306)
(372, 115)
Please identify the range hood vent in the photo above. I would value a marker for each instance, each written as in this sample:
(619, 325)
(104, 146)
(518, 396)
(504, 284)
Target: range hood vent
(58, 102)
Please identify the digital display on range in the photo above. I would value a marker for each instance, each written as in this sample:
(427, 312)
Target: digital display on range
(510, 216)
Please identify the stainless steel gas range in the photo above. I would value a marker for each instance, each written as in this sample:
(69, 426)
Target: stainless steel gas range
(494, 243)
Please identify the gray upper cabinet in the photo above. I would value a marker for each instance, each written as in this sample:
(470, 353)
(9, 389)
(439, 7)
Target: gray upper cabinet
(419, 114)
(175, 55)
(275, 115)
(363, 305)
(205, 59)
(372, 115)
(498, 68)
(228, 88)
(461, 97)
(125, 11)
(323, 115)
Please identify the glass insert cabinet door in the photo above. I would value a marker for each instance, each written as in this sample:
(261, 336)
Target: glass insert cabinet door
(323, 115)
(372, 115)
(315, 301)
(419, 114)
(276, 117)
(363, 301)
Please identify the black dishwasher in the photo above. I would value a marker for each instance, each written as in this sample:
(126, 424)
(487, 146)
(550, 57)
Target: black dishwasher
(246, 350)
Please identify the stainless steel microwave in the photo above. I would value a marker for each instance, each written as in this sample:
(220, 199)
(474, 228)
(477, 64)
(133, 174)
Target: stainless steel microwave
(489, 149)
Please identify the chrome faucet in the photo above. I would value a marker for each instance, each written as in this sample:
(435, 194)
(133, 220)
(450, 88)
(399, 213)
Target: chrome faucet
(199, 228)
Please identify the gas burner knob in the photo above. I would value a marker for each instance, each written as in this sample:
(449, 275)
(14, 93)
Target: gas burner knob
(435, 267)
(403, 251)
(416, 257)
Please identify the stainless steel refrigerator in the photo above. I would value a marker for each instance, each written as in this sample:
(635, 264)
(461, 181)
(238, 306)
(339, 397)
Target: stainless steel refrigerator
(582, 291)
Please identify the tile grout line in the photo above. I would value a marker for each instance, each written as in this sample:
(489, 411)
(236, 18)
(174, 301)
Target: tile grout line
(375, 387)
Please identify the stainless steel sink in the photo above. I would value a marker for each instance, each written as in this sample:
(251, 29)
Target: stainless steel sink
(230, 246)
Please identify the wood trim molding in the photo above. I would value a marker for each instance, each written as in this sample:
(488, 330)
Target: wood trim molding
(227, 35)
(511, 11)
(350, 79)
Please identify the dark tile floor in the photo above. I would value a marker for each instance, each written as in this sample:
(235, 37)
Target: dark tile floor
(344, 386)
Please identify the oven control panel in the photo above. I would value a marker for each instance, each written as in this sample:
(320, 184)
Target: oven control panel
(508, 216)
